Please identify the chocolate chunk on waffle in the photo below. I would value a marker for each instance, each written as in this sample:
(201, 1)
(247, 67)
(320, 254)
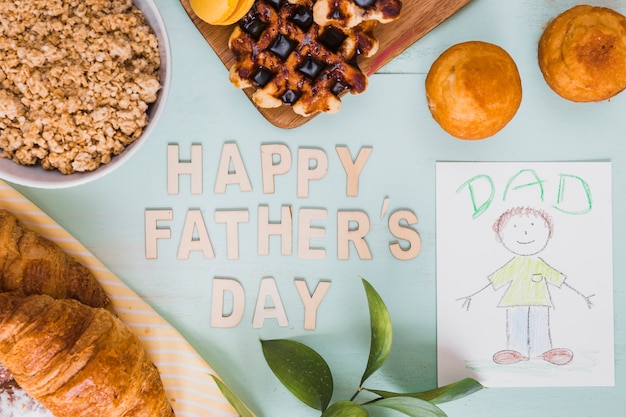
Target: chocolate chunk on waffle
(289, 59)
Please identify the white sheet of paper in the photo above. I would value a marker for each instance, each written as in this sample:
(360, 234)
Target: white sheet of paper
(576, 197)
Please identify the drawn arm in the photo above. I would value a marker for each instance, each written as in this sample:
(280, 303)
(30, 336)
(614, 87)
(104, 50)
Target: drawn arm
(587, 298)
(467, 300)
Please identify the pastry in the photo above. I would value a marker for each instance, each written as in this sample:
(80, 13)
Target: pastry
(473, 89)
(582, 53)
(77, 360)
(288, 58)
(31, 264)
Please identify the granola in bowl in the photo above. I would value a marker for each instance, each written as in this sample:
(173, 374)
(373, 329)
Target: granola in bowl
(77, 80)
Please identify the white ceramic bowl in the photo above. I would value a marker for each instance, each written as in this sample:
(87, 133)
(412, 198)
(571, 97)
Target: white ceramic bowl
(37, 177)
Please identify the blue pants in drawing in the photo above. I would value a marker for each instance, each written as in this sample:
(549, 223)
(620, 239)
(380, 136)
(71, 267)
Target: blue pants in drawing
(528, 330)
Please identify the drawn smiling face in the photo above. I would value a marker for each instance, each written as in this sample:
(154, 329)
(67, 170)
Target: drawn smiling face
(525, 234)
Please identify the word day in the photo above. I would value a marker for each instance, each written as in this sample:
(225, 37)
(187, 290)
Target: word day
(229, 299)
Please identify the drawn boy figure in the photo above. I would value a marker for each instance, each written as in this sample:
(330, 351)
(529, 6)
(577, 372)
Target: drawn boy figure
(525, 232)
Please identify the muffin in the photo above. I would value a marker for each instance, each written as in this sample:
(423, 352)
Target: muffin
(473, 89)
(582, 53)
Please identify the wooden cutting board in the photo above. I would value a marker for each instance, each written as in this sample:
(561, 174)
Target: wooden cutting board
(418, 17)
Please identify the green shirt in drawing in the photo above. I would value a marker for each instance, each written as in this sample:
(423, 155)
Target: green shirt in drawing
(529, 278)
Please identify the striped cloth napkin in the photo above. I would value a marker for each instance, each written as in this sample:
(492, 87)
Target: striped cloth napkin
(186, 376)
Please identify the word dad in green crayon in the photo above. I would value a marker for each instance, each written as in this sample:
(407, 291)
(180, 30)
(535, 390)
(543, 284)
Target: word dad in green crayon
(481, 190)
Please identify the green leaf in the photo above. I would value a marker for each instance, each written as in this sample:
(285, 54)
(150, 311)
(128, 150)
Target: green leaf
(381, 331)
(345, 409)
(237, 404)
(412, 407)
(301, 370)
(452, 391)
(447, 393)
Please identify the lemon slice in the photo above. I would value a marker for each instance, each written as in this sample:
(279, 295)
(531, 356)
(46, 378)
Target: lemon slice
(240, 11)
(213, 11)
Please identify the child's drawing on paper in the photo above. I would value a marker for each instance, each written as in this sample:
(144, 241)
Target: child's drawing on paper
(526, 280)
(525, 273)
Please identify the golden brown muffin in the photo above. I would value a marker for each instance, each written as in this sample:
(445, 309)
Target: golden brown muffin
(582, 53)
(473, 89)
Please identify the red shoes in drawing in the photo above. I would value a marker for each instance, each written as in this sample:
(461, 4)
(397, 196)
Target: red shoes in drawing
(558, 356)
(508, 357)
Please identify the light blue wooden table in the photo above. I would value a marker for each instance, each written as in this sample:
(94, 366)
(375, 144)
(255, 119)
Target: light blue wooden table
(391, 117)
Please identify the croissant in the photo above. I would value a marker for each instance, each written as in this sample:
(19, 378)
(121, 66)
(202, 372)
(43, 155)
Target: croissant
(31, 264)
(78, 361)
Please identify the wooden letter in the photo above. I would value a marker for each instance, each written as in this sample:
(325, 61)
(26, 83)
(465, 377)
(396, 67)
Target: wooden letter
(282, 229)
(236, 175)
(194, 224)
(176, 168)
(232, 218)
(275, 311)
(352, 226)
(310, 301)
(219, 317)
(306, 232)
(353, 168)
(312, 165)
(404, 232)
(154, 232)
(271, 169)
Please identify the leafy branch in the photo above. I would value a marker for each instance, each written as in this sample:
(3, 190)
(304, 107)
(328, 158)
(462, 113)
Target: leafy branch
(308, 377)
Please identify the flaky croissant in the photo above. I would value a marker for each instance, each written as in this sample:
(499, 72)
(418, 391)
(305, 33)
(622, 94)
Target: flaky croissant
(78, 361)
(31, 264)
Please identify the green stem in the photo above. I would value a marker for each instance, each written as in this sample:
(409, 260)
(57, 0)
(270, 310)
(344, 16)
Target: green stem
(358, 391)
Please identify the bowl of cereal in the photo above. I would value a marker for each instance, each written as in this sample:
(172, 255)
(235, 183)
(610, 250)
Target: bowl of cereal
(82, 87)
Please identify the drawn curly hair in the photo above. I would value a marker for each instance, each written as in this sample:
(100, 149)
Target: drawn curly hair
(523, 211)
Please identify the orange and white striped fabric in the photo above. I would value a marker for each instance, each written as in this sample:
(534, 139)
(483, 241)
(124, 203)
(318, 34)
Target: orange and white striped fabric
(186, 376)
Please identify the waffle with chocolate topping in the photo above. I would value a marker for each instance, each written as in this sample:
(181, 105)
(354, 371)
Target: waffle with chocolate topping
(289, 59)
(350, 13)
